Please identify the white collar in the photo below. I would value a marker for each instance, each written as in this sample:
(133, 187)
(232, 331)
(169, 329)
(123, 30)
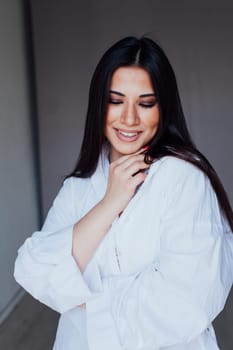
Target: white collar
(100, 177)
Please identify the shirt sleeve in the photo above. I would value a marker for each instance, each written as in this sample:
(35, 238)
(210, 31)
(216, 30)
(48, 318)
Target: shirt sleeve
(177, 297)
(45, 266)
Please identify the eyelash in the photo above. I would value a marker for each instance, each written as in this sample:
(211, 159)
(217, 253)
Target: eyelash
(144, 105)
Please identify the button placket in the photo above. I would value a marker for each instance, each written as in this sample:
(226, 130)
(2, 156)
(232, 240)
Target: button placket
(116, 250)
(123, 220)
(117, 258)
(115, 244)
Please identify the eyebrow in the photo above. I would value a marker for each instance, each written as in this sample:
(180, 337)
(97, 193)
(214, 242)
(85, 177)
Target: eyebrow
(120, 94)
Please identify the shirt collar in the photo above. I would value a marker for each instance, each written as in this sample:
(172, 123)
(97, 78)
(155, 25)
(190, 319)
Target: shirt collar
(100, 177)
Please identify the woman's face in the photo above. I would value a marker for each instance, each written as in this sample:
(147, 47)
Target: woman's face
(133, 112)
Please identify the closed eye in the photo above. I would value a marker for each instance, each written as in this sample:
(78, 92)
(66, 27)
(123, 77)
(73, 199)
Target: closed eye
(115, 102)
(142, 104)
(148, 104)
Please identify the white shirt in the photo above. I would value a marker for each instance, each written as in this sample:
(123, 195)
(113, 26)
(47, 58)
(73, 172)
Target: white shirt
(159, 277)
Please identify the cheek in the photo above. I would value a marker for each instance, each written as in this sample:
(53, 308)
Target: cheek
(108, 121)
(112, 115)
(110, 118)
(153, 121)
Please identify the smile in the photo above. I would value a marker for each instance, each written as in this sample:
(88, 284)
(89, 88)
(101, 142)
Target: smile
(126, 135)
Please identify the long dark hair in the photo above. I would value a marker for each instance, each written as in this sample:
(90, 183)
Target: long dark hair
(172, 137)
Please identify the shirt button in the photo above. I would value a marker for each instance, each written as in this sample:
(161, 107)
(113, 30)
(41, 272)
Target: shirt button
(118, 251)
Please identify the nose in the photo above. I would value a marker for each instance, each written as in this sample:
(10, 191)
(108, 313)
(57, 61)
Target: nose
(130, 115)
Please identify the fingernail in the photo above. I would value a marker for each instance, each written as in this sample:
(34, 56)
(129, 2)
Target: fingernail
(145, 148)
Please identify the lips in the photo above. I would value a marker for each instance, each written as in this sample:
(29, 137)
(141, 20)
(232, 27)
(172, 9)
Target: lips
(127, 135)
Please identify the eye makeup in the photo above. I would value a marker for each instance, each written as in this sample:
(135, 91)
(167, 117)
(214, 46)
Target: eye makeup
(148, 104)
(114, 101)
(143, 103)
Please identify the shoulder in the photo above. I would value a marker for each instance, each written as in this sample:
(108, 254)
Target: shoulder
(180, 180)
(71, 196)
(178, 166)
(76, 185)
(71, 190)
(174, 170)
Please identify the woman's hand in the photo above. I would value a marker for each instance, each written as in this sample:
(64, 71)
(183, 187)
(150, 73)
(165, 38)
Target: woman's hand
(88, 232)
(124, 177)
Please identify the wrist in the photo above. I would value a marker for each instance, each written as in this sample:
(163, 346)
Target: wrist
(111, 210)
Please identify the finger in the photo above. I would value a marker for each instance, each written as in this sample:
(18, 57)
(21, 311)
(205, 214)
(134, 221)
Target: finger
(128, 156)
(135, 168)
(137, 180)
(127, 162)
(142, 150)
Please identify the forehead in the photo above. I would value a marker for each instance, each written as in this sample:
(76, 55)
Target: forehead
(131, 79)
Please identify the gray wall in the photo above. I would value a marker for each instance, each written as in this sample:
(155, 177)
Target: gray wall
(18, 200)
(70, 36)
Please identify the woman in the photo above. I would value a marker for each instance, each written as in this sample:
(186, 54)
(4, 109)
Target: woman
(136, 251)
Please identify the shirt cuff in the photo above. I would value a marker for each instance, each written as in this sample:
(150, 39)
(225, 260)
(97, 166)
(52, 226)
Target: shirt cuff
(68, 280)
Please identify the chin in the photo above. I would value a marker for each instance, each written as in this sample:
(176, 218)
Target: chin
(128, 149)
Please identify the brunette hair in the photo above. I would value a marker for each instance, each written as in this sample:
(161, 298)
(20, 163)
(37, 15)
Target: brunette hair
(172, 137)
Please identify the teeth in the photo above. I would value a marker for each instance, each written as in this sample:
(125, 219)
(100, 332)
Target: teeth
(128, 134)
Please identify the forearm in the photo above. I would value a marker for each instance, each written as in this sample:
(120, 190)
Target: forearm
(89, 232)
(124, 177)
